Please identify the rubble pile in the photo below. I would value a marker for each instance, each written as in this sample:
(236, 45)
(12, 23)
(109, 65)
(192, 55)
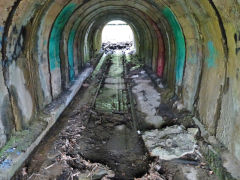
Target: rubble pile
(108, 135)
(116, 46)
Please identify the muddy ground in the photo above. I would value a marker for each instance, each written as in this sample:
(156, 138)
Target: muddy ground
(97, 136)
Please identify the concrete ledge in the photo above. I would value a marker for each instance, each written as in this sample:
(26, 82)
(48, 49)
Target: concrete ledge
(219, 158)
(22, 144)
(221, 161)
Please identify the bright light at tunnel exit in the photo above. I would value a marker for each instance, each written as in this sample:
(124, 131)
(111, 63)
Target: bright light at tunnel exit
(117, 31)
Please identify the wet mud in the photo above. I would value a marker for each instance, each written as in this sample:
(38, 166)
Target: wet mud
(112, 141)
(100, 135)
(110, 137)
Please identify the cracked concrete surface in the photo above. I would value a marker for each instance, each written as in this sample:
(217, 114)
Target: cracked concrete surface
(193, 46)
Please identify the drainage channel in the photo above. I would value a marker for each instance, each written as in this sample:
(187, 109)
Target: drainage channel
(111, 137)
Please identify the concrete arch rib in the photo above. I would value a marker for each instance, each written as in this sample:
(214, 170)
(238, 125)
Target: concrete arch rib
(176, 34)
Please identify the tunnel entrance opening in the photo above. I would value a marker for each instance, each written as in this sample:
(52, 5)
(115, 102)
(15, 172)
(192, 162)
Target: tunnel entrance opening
(117, 34)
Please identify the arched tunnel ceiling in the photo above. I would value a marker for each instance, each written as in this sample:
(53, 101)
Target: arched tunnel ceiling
(94, 9)
(193, 45)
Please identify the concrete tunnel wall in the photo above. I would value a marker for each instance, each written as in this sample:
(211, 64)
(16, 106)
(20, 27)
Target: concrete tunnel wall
(193, 45)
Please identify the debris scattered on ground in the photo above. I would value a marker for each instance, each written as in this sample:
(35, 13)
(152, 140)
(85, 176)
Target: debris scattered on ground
(116, 46)
(170, 143)
(97, 140)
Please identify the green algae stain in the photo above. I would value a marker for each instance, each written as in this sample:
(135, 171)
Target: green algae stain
(56, 35)
(212, 55)
(113, 96)
(100, 64)
(180, 43)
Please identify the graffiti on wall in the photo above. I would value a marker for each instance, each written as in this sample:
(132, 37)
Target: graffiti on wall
(237, 41)
(56, 35)
(180, 43)
(211, 59)
(71, 49)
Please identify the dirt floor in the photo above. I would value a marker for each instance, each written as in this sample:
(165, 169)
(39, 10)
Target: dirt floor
(100, 135)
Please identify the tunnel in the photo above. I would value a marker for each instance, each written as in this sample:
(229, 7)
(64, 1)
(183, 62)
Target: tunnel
(184, 65)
